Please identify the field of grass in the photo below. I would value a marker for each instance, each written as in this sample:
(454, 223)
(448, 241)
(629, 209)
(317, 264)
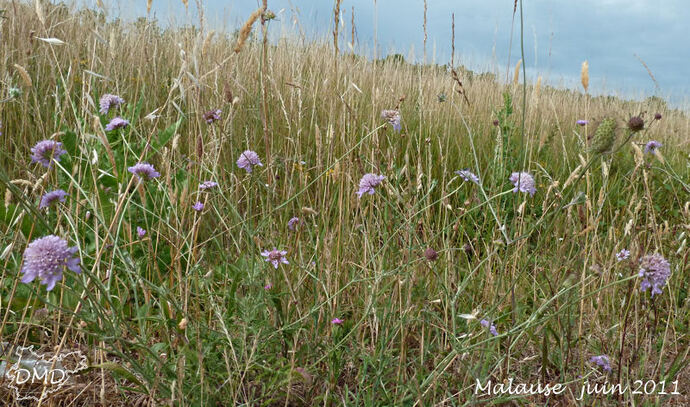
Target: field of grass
(407, 296)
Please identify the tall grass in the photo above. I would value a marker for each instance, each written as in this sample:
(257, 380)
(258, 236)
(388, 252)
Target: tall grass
(191, 314)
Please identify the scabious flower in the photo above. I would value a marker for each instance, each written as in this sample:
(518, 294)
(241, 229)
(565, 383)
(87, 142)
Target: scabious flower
(468, 175)
(275, 256)
(487, 324)
(144, 171)
(582, 122)
(293, 223)
(654, 270)
(601, 361)
(523, 182)
(45, 151)
(622, 255)
(207, 185)
(368, 184)
(52, 197)
(651, 146)
(198, 206)
(657, 116)
(248, 159)
(109, 101)
(393, 118)
(212, 115)
(337, 321)
(268, 286)
(116, 123)
(46, 257)
(635, 124)
(431, 254)
(141, 232)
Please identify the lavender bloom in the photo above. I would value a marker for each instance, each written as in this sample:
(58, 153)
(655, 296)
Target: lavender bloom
(492, 328)
(368, 184)
(212, 115)
(275, 256)
(51, 197)
(622, 255)
(337, 321)
(523, 182)
(393, 118)
(141, 232)
(46, 257)
(248, 159)
(293, 223)
(144, 171)
(582, 122)
(116, 123)
(651, 146)
(109, 101)
(198, 206)
(655, 270)
(44, 152)
(602, 361)
(468, 175)
(207, 185)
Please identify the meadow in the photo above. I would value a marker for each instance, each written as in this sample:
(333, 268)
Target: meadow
(216, 219)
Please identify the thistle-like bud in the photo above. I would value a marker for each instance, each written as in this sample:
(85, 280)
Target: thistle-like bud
(430, 254)
(635, 124)
(604, 136)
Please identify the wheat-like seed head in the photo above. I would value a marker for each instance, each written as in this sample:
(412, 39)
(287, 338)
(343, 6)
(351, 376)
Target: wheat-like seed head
(247, 28)
(584, 75)
(24, 75)
(516, 75)
(537, 87)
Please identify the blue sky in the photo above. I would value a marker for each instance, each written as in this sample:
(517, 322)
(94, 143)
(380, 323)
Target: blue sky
(558, 35)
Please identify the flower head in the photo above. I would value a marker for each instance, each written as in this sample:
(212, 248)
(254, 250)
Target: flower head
(144, 171)
(293, 223)
(651, 146)
(198, 206)
(337, 321)
(116, 123)
(109, 101)
(601, 361)
(523, 182)
(368, 184)
(393, 118)
(431, 254)
(468, 175)
(212, 115)
(654, 271)
(141, 232)
(268, 286)
(657, 116)
(248, 159)
(275, 256)
(52, 197)
(46, 257)
(582, 122)
(635, 124)
(604, 136)
(207, 185)
(45, 151)
(622, 255)
(487, 324)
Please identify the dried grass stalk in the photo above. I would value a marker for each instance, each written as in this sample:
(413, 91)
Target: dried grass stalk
(247, 28)
(584, 76)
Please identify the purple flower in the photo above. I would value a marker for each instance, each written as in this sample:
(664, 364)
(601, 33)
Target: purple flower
(393, 117)
(523, 182)
(275, 256)
(207, 185)
(651, 146)
(368, 184)
(654, 270)
(116, 123)
(198, 206)
(212, 115)
(268, 286)
(248, 159)
(337, 321)
(144, 171)
(293, 223)
(45, 151)
(622, 255)
(602, 361)
(582, 122)
(52, 197)
(141, 232)
(468, 175)
(46, 257)
(492, 328)
(109, 101)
